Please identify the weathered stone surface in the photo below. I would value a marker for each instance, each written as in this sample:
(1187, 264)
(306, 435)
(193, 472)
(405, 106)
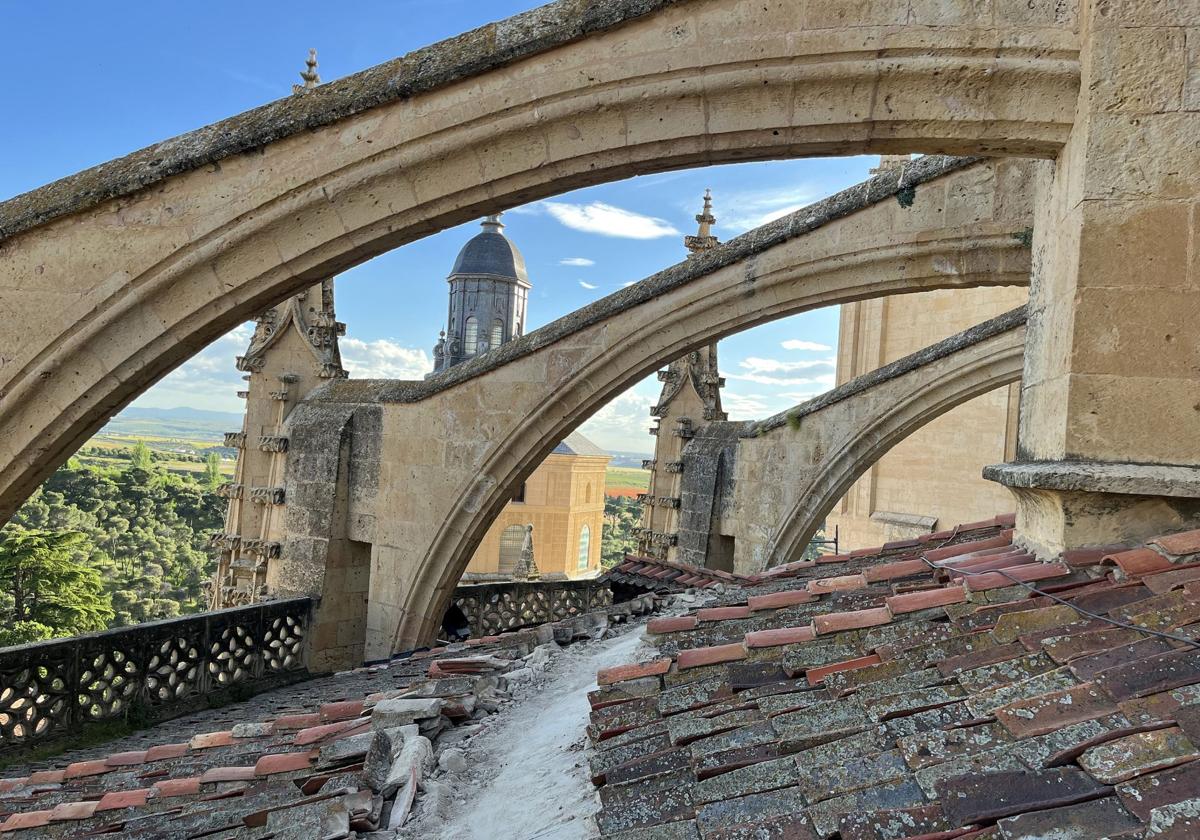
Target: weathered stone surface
(384, 748)
(414, 762)
(389, 714)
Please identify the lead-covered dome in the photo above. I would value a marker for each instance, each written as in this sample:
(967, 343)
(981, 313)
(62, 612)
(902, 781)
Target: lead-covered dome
(491, 253)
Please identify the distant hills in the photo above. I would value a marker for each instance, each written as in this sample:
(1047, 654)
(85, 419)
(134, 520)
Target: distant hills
(186, 423)
(202, 425)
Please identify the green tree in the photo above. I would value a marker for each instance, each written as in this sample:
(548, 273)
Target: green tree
(212, 471)
(47, 588)
(622, 514)
(140, 457)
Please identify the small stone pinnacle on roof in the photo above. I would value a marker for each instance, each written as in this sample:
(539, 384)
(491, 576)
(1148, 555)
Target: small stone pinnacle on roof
(889, 162)
(703, 240)
(310, 76)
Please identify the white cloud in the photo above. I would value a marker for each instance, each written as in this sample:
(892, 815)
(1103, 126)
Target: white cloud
(798, 397)
(826, 380)
(383, 359)
(208, 380)
(582, 262)
(801, 344)
(624, 423)
(746, 210)
(587, 285)
(745, 406)
(755, 364)
(607, 220)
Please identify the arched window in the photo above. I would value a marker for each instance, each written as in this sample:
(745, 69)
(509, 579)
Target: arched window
(512, 539)
(471, 336)
(497, 333)
(585, 546)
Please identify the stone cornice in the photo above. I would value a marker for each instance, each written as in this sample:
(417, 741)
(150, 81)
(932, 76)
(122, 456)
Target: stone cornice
(1177, 480)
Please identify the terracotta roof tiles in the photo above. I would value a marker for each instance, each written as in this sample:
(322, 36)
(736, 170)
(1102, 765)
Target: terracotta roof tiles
(918, 695)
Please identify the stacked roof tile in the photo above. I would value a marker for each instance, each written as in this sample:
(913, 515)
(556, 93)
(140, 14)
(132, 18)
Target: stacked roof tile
(876, 697)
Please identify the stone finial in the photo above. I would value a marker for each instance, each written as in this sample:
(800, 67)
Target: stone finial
(703, 240)
(310, 76)
(526, 568)
(492, 223)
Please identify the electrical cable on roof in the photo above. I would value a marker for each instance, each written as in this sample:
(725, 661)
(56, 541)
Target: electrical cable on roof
(1029, 586)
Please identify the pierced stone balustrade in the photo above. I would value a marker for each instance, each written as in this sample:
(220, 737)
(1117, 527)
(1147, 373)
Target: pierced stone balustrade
(53, 691)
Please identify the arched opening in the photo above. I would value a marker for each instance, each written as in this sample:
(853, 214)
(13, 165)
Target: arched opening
(511, 541)
(497, 333)
(471, 336)
(585, 547)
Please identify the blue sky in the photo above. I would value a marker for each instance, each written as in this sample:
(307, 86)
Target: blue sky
(88, 82)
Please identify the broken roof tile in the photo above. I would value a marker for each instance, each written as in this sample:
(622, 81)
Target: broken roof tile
(939, 555)
(1012, 626)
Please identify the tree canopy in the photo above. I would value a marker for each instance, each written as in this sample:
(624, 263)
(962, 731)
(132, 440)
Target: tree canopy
(140, 530)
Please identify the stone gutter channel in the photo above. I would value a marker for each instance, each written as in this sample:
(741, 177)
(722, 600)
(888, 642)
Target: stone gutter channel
(522, 774)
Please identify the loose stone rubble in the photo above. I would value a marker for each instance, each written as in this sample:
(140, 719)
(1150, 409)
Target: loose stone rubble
(351, 755)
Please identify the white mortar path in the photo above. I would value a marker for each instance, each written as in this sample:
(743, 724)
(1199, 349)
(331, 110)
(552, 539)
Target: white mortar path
(532, 781)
